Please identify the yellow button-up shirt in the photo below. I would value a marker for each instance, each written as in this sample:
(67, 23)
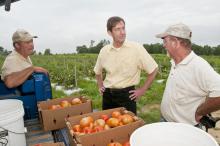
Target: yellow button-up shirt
(123, 65)
(14, 62)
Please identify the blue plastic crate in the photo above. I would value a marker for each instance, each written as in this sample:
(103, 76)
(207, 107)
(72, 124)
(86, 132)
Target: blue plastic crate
(36, 88)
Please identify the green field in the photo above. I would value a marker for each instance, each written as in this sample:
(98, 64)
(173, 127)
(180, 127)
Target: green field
(76, 70)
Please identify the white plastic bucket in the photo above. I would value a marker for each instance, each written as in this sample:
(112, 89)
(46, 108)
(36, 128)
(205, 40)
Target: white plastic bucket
(171, 134)
(11, 120)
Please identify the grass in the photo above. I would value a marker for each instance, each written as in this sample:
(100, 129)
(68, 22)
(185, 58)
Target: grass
(57, 93)
(91, 91)
(151, 116)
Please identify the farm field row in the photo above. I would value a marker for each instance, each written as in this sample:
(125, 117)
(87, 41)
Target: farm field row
(76, 71)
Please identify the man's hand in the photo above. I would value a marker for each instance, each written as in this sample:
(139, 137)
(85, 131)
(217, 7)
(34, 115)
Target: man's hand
(198, 117)
(101, 90)
(100, 84)
(136, 94)
(210, 105)
(40, 69)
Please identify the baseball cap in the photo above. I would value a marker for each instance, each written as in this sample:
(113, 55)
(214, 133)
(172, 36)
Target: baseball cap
(22, 35)
(178, 30)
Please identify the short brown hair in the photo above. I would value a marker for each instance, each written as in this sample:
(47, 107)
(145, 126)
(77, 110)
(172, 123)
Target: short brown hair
(112, 21)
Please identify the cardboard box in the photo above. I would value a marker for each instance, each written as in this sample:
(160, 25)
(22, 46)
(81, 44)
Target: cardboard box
(118, 134)
(49, 144)
(55, 119)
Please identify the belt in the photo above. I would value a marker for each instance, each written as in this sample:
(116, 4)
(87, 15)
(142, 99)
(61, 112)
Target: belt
(119, 90)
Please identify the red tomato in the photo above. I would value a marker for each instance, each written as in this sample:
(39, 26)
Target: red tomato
(126, 143)
(105, 117)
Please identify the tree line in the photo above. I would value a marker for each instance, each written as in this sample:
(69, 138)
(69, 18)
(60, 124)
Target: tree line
(156, 48)
(3, 51)
(92, 48)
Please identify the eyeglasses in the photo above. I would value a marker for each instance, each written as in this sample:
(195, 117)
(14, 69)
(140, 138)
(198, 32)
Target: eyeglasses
(168, 39)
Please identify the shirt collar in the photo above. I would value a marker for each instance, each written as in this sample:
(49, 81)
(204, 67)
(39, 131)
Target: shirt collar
(187, 59)
(18, 54)
(125, 44)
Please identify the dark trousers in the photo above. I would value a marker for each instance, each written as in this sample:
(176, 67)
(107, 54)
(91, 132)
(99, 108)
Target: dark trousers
(113, 98)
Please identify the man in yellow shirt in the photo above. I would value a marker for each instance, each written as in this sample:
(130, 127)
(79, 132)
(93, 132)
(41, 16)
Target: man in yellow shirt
(122, 61)
(17, 66)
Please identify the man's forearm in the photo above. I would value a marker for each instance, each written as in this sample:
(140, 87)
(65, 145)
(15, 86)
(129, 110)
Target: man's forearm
(101, 88)
(150, 79)
(17, 78)
(99, 80)
(210, 105)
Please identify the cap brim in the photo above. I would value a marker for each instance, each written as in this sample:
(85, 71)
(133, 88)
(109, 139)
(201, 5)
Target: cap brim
(162, 35)
(28, 38)
(34, 36)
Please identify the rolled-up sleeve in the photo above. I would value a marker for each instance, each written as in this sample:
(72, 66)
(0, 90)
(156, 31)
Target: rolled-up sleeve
(98, 66)
(7, 68)
(146, 61)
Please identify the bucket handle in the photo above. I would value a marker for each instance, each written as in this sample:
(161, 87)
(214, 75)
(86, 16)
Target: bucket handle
(15, 132)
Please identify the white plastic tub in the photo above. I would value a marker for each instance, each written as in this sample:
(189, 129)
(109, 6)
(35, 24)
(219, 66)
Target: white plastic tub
(11, 120)
(171, 134)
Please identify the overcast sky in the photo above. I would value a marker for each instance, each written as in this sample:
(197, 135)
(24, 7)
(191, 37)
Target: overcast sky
(61, 25)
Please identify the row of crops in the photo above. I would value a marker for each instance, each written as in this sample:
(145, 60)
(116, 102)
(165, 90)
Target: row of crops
(68, 69)
(76, 70)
